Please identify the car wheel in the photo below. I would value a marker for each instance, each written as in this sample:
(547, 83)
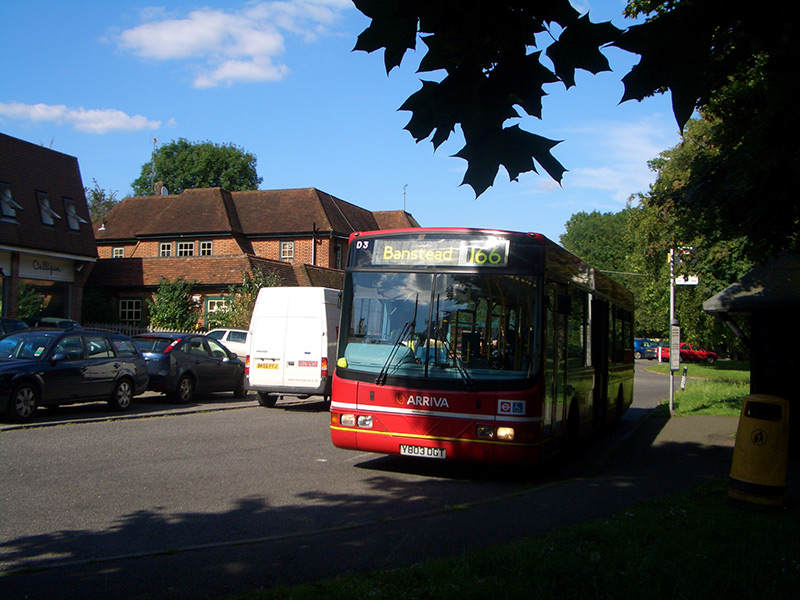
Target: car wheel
(637, 355)
(22, 403)
(185, 390)
(122, 396)
(711, 360)
(266, 399)
(239, 391)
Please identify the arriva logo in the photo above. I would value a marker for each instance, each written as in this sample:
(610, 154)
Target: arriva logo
(428, 401)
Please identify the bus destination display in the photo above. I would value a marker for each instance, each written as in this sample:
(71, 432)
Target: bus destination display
(482, 252)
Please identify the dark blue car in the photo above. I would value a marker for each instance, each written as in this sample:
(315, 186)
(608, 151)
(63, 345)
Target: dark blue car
(181, 365)
(49, 367)
(645, 348)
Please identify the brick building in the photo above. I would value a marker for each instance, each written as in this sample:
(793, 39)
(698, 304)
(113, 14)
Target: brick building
(47, 246)
(213, 236)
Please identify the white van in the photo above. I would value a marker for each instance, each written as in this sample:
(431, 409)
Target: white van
(293, 336)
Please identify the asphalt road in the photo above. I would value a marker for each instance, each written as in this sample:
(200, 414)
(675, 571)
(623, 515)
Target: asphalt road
(224, 496)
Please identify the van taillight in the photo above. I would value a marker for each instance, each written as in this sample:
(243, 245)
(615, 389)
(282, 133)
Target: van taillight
(324, 366)
(247, 365)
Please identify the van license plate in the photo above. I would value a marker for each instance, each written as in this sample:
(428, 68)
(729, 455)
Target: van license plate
(422, 451)
(267, 366)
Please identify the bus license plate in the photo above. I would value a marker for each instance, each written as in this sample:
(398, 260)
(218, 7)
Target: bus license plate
(422, 451)
(267, 365)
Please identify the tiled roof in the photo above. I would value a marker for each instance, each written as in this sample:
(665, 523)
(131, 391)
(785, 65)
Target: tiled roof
(207, 210)
(257, 213)
(276, 212)
(394, 219)
(28, 169)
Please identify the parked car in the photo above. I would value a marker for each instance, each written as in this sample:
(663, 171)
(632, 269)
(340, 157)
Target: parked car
(183, 364)
(49, 367)
(235, 340)
(690, 353)
(54, 322)
(645, 348)
(8, 325)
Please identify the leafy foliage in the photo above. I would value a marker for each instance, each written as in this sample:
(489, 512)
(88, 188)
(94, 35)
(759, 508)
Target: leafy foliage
(30, 303)
(740, 155)
(242, 299)
(182, 165)
(482, 47)
(172, 306)
(99, 201)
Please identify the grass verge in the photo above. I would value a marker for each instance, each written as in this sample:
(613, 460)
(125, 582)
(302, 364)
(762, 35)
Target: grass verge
(690, 545)
(716, 389)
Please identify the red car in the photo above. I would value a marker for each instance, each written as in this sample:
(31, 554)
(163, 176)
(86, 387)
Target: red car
(691, 353)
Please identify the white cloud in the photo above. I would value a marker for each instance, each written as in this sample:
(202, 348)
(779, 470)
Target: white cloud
(614, 155)
(232, 46)
(90, 121)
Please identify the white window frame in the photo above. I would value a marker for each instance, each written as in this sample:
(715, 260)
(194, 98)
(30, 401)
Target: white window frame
(47, 214)
(185, 249)
(71, 210)
(287, 251)
(118, 252)
(130, 310)
(206, 248)
(165, 249)
(8, 208)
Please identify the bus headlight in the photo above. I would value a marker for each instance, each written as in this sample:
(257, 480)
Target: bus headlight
(365, 421)
(505, 433)
(347, 420)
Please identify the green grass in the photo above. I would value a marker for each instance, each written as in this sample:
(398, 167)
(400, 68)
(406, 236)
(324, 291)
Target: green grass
(716, 389)
(690, 545)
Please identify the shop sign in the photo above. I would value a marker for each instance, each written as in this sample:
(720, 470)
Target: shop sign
(33, 266)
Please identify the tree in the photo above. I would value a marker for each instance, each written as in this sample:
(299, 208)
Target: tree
(597, 239)
(242, 299)
(734, 60)
(100, 201)
(182, 165)
(172, 306)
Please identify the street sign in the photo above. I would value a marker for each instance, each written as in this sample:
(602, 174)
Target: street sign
(675, 348)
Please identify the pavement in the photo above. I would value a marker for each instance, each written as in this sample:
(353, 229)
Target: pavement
(656, 456)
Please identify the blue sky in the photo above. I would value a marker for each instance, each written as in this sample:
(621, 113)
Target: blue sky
(101, 80)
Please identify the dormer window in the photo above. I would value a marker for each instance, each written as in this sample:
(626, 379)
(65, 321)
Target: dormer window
(73, 220)
(8, 208)
(48, 215)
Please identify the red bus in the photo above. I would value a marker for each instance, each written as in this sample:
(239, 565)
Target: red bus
(476, 345)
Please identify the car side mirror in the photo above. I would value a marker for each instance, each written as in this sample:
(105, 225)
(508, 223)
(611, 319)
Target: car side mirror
(58, 356)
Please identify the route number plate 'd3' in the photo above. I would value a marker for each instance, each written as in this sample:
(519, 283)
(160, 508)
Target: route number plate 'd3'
(422, 451)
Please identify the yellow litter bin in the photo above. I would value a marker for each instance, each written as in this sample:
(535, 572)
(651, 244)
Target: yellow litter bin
(760, 457)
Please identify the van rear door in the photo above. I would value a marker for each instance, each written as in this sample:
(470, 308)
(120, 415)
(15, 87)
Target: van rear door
(266, 351)
(303, 351)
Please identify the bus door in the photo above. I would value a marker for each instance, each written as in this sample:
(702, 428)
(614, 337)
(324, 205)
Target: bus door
(555, 372)
(600, 343)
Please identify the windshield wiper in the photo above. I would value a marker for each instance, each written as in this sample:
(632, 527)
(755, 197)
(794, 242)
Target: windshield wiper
(407, 327)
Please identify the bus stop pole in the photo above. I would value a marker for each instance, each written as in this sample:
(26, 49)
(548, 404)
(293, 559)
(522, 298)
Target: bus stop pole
(674, 347)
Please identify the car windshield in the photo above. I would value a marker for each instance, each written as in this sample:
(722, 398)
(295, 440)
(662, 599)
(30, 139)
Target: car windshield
(151, 344)
(217, 334)
(26, 345)
(441, 326)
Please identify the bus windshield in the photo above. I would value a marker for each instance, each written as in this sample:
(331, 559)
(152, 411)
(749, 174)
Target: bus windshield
(467, 327)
